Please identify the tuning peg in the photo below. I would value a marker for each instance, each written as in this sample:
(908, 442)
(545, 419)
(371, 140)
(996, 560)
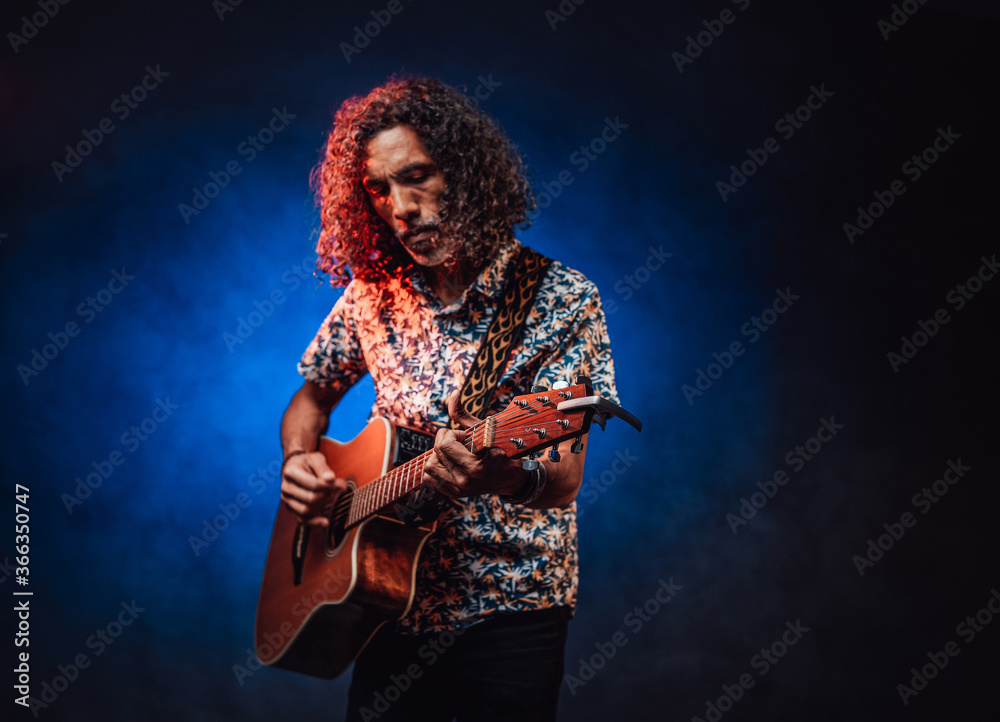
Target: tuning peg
(559, 385)
(581, 379)
(554, 453)
(529, 464)
(577, 446)
(536, 389)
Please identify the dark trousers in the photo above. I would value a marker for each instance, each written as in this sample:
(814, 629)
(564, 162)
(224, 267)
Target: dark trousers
(508, 667)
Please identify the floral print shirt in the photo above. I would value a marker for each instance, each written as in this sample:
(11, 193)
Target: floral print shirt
(487, 556)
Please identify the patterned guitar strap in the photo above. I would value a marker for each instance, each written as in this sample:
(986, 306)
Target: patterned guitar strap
(504, 333)
(502, 337)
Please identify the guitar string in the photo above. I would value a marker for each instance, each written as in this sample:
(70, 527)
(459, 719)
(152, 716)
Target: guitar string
(402, 472)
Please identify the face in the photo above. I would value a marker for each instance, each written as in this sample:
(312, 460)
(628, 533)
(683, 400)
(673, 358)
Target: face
(405, 187)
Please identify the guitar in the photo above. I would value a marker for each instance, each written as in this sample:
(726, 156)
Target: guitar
(325, 592)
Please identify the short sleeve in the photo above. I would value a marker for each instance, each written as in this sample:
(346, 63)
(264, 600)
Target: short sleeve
(583, 348)
(335, 358)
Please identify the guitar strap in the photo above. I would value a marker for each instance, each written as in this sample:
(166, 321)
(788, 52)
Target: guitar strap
(425, 504)
(504, 333)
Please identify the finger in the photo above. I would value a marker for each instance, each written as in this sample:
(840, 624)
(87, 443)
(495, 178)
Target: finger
(438, 479)
(434, 467)
(304, 496)
(460, 415)
(315, 512)
(312, 474)
(317, 464)
(454, 440)
(304, 514)
(457, 459)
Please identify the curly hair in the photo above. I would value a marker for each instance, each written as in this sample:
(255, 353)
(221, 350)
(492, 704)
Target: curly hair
(487, 190)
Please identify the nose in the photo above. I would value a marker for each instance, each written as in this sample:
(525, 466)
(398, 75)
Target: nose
(404, 203)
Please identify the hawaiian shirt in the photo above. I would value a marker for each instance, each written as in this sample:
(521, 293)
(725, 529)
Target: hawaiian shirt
(487, 556)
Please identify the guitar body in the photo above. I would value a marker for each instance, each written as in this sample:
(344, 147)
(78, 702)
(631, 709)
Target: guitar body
(321, 604)
(326, 592)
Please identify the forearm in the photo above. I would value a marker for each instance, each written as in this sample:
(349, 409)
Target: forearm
(307, 418)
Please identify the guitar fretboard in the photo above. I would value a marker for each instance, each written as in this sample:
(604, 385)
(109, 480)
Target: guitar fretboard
(397, 483)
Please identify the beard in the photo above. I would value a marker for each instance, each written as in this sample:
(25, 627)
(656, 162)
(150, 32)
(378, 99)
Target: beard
(430, 244)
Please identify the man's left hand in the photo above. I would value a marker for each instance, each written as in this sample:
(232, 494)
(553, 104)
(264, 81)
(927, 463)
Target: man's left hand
(456, 472)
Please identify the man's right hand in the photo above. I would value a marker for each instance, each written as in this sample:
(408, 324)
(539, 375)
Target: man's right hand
(310, 489)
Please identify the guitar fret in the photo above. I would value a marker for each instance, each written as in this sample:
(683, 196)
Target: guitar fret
(386, 489)
(417, 471)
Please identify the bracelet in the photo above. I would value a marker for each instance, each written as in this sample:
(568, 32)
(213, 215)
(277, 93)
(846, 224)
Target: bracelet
(532, 488)
(294, 453)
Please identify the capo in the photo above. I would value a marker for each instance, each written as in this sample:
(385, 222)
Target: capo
(603, 409)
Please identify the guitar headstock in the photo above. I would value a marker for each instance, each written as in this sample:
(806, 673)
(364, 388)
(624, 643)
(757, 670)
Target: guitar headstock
(533, 422)
(543, 419)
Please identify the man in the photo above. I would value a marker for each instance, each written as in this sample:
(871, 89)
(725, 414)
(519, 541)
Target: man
(419, 194)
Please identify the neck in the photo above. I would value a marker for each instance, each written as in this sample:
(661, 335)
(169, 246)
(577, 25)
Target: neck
(449, 281)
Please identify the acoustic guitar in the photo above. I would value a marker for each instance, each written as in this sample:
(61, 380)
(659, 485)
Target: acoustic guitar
(325, 592)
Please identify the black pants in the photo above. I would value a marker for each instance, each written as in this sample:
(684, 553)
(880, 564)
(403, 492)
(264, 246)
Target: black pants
(509, 667)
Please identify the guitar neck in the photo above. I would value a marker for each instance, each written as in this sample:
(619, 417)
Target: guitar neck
(530, 423)
(400, 481)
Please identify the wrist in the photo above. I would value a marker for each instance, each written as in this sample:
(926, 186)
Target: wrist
(520, 478)
(530, 487)
(292, 454)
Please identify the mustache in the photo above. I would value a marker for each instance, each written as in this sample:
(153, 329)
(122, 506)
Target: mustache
(433, 224)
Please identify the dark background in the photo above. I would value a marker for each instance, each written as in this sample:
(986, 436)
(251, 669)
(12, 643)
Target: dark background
(163, 338)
